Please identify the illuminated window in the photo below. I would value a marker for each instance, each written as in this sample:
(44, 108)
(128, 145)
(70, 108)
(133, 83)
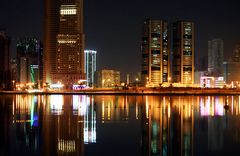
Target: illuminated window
(68, 10)
(64, 41)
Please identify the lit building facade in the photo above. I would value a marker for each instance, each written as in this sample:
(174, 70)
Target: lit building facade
(108, 78)
(90, 64)
(167, 126)
(215, 57)
(5, 73)
(63, 42)
(155, 53)
(183, 52)
(29, 61)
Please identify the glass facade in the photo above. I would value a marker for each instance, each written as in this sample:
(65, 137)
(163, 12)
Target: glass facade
(155, 52)
(183, 52)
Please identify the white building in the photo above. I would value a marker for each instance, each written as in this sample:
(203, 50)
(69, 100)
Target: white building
(90, 66)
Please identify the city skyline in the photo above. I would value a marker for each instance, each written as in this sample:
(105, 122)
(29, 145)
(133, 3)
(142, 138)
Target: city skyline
(118, 33)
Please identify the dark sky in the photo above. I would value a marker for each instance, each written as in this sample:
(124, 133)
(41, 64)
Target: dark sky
(113, 27)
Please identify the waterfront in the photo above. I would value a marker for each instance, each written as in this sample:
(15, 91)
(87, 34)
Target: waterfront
(89, 125)
(134, 91)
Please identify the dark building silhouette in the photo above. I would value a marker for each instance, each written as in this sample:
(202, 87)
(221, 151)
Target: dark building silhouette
(215, 57)
(5, 74)
(236, 54)
(231, 68)
(29, 61)
(203, 64)
(63, 42)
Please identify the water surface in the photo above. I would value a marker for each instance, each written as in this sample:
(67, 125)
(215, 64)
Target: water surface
(119, 125)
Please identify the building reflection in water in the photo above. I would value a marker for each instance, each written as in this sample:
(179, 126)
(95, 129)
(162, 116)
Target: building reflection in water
(168, 125)
(114, 109)
(186, 125)
(52, 125)
(25, 123)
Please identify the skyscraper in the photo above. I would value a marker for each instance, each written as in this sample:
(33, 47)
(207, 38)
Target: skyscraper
(90, 66)
(63, 42)
(155, 53)
(215, 57)
(5, 73)
(183, 52)
(236, 54)
(231, 68)
(29, 60)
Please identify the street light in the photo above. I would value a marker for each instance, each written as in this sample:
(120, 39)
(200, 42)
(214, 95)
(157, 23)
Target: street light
(13, 81)
(137, 81)
(169, 79)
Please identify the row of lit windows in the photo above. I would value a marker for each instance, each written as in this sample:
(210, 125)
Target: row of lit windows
(66, 41)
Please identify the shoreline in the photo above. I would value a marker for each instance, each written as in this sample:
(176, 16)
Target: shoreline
(139, 91)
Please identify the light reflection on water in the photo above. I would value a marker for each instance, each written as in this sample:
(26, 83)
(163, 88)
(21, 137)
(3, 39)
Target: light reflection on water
(119, 125)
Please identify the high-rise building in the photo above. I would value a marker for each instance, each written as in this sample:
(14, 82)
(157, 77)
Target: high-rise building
(14, 69)
(90, 66)
(155, 53)
(231, 71)
(231, 68)
(183, 52)
(5, 73)
(203, 63)
(236, 54)
(29, 61)
(63, 42)
(215, 57)
(108, 78)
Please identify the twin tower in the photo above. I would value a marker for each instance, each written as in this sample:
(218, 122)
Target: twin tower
(167, 53)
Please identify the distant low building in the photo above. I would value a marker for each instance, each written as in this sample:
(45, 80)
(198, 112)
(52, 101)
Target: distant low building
(212, 82)
(107, 78)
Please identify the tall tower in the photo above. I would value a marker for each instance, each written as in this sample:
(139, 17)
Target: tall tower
(215, 57)
(63, 42)
(5, 74)
(183, 52)
(90, 66)
(155, 53)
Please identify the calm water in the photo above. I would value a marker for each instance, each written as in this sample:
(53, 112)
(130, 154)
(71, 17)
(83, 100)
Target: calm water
(119, 125)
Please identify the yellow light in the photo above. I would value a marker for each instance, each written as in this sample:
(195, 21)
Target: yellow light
(68, 10)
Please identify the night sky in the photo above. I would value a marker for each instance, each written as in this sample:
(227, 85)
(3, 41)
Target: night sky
(113, 27)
